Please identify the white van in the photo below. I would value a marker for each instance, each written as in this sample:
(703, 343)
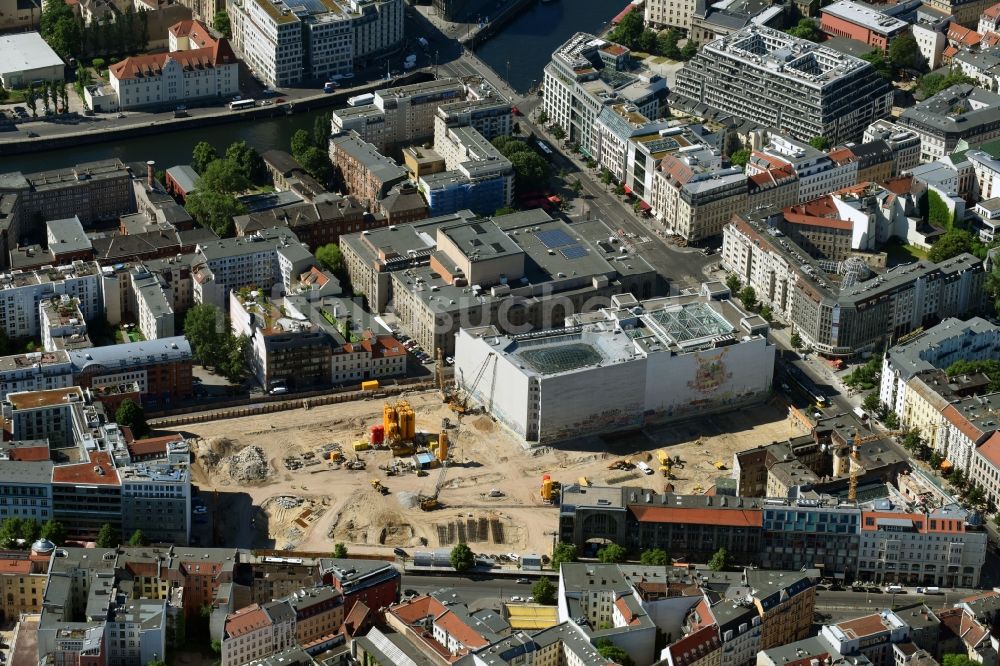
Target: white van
(646, 469)
(893, 589)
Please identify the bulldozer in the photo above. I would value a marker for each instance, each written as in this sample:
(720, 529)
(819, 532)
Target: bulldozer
(429, 502)
(379, 487)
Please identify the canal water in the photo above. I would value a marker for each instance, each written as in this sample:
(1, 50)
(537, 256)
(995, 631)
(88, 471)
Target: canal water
(528, 41)
(526, 44)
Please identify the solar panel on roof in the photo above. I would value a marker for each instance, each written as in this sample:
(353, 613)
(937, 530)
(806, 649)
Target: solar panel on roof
(553, 238)
(574, 251)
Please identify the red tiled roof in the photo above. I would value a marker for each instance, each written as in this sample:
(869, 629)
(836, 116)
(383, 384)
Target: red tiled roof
(623, 13)
(815, 221)
(773, 175)
(29, 453)
(900, 185)
(672, 514)
(695, 646)
(144, 66)
(868, 625)
(962, 35)
(949, 52)
(460, 631)
(417, 609)
(963, 424)
(964, 625)
(842, 156)
(21, 565)
(194, 30)
(246, 620)
(991, 449)
(152, 445)
(992, 12)
(99, 471)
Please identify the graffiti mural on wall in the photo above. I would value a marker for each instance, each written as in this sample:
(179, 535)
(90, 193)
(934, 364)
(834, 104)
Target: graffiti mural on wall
(711, 373)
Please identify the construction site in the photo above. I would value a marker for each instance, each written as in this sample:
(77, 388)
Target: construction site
(427, 469)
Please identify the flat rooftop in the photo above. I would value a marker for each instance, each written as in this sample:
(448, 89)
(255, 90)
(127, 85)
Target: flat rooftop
(48, 398)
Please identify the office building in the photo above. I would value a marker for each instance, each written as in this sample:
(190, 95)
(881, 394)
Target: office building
(960, 113)
(479, 177)
(401, 115)
(670, 362)
(489, 117)
(694, 196)
(803, 89)
(156, 497)
(161, 368)
(904, 143)
(285, 44)
(542, 267)
(620, 130)
(585, 74)
(34, 371)
(847, 18)
(92, 191)
(853, 316)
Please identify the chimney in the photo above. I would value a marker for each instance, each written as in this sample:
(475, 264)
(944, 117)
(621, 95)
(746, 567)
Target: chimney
(150, 178)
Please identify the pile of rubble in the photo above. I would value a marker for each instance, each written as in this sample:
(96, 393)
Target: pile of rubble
(248, 465)
(288, 502)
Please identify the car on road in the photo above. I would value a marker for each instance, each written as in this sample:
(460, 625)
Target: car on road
(450, 361)
(32, 135)
(410, 593)
(200, 510)
(516, 598)
(523, 580)
(513, 557)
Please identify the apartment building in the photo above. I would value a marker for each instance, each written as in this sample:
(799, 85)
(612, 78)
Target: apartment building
(660, 14)
(161, 368)
(373, 583)
(26, 482)
(365, 172)
(92, 191)
(156, 498)
(23, 576)
(63, 326)
(34, 371)
(587, 73)
(402, 115)
(231, 263)
(319, 613)
(935, 348)
(314, 224)
(969, 423)
(902, 141)
(960, 113)
(694, 196)
(257, 631)
(489, 117)
(776, 187)
(803, 89)
(985, 468)
(868, 313)
(21, 294)
(618, 126)
(286, 44)
(198, 66)
(818, 173)
(153, 310)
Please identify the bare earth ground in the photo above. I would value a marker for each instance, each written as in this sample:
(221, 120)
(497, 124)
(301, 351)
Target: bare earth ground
(339, 505)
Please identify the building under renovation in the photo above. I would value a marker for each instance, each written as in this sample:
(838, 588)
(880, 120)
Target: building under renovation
(620, 367)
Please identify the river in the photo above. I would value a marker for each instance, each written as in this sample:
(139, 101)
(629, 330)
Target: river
(526, 43)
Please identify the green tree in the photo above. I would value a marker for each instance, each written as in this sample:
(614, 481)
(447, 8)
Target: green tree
(950, 244)
(214, 211)
(609, 650)
(721, 560)
(107, 537)
(871, 403)
(931, 84)
(321, 131)
(64, 95)
(137, 539)
(45, 97)
(203, 328)
(60, 28)
(462, 558)
(31, 99)
(10, 531)
(576, 187)
(938, 213)
(748, 296)
(132, 415)
(234, 361)
(247, 160)
(891, 421)
(992, 286)
(819, 142)
(221, 23)
(865, 376)
(544, 591)
(504, 210)
(217, 646)
(989, 367)
(563, 552)
(882, 66)
(647, 41)
(629, 30)
(203, 154)
(224, 177)
(734, 283)
(54, 531)
(317, 164)
(654, 557)
(606, 177)
(98, 64)
(740, 157)
(689, 50)
(765, 312)
(329, 257)
(340, 551)
(156, 662)
(30, 531)
(301, 140)
(558, 133)
(612, 554)
(904, 52)
(667, 44)
(806, 28)
(530, 170)
(543, 117)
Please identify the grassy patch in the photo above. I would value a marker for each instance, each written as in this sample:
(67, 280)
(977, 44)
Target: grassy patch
(901, 253)
(13, 97)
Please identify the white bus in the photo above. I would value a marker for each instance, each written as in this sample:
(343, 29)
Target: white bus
(241, 104)
(544, 147)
